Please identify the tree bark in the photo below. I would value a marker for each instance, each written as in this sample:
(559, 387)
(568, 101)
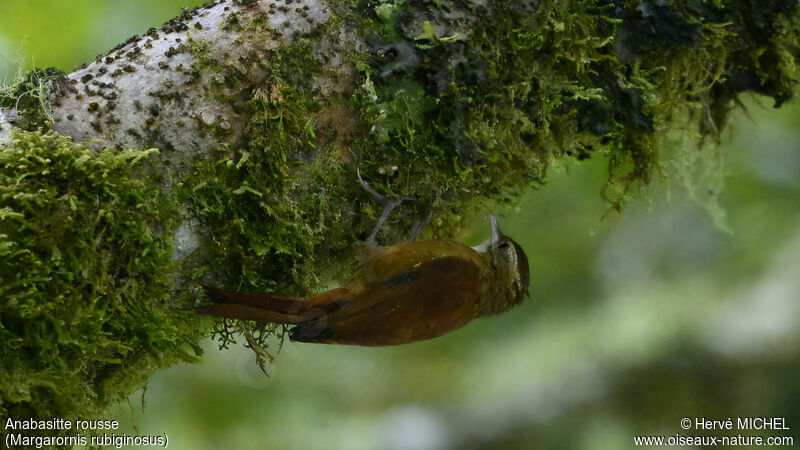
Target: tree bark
(183, 88)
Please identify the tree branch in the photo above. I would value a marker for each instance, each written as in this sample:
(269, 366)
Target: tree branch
(262, 112)
(184, 87)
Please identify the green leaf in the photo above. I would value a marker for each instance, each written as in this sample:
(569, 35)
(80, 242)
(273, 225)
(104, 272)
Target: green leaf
(428, 33)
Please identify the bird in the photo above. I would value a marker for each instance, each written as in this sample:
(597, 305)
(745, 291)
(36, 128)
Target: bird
(402, 293)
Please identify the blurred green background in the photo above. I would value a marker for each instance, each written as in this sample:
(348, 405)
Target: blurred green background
(635, 321)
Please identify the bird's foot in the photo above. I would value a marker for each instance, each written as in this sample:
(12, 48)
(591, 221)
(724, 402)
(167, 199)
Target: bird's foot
(388, 206)
(419, 225)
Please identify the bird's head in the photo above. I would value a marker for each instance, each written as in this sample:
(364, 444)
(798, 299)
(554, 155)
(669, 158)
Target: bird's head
(509, 267)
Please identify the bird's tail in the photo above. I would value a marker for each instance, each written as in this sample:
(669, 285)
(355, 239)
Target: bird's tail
(264, 307)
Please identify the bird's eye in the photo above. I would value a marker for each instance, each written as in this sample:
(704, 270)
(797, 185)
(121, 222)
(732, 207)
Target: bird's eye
(503, 245)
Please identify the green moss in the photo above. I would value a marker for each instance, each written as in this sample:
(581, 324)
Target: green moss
(232, 22)
(29, 96)
(272, 218)
(85, 278)
(203, 61)
(561, 80)
(446, 113)
(451, 114)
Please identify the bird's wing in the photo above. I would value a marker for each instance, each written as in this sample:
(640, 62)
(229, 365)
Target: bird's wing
(432, 298)
(383, 263)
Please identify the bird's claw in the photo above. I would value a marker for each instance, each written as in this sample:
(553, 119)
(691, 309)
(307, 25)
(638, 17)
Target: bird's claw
(419, 225)
(387, 203)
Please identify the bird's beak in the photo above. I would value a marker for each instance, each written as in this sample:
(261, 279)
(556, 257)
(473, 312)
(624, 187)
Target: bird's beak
(497, 235)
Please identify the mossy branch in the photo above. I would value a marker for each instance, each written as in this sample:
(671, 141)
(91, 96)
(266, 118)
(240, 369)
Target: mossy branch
(262, 112)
